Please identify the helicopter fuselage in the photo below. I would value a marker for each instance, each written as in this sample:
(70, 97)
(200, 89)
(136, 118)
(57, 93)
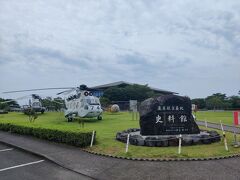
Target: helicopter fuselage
(35, 105)
(83, 105)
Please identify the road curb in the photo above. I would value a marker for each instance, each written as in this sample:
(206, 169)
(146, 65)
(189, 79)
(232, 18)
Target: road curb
(163, 159)
(44, 157)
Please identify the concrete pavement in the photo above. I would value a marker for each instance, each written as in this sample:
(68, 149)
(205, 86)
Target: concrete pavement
(16, 164)
(100, 167)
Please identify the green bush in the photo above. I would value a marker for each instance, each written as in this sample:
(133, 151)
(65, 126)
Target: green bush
(80, 139)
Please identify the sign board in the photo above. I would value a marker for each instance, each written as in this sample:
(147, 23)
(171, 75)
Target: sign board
(167, 115)
(194, 107)
(133, 105)
(236, 117)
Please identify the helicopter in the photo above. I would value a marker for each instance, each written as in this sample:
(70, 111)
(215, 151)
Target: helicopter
(80, 104)
(34, 103)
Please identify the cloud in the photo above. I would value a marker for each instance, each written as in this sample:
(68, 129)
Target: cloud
(191, 47)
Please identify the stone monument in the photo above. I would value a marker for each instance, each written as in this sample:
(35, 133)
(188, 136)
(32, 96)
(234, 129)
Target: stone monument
(167, 115)
(162, 120)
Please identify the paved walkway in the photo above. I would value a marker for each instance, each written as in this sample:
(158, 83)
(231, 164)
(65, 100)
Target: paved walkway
(218, 126)
(99, 167)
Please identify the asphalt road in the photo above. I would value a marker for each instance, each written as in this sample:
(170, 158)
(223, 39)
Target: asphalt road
(101, 167)
(15, 164)
(218, 126)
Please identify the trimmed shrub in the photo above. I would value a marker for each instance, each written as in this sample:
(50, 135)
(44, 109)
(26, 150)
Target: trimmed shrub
(79, 139)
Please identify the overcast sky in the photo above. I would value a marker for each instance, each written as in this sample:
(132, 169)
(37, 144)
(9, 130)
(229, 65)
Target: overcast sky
(188, 46)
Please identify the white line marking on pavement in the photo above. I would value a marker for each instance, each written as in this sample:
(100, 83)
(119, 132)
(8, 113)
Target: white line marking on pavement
(21, 165)
(2, 150)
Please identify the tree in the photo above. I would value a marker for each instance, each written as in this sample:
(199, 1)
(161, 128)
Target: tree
(134, 92)
(58, 103)
(104, 101)
(200, 102)
(214, 103)
(32, 115)
(235, 102)
(217, 101)
(219, 95)
(114, 94)
(6, 105)
(53, 104)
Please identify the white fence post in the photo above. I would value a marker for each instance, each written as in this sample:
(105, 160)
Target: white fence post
(180, 144)
(127, 143)
(221, 126)
(93, 134)
(206, 125)
(235, 136)
(225, 141)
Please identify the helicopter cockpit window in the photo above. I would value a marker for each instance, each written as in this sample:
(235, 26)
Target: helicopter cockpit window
(92, 101)
(36, 104)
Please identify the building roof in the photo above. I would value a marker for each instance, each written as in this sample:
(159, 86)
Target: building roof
(120, 83)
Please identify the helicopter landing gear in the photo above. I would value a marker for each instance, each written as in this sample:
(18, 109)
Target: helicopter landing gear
(99, 118)
(69, 118)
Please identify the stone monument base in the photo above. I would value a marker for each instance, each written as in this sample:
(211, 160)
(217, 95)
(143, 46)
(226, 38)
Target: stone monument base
(204, 137)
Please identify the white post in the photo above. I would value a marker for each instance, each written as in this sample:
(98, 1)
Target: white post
(180, 144)
(225, 141)
(93, 134)
(221, 126)
(206, 124)
(127, 143)
(235, 136)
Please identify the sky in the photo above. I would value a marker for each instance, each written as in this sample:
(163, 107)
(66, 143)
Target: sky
(190, 47)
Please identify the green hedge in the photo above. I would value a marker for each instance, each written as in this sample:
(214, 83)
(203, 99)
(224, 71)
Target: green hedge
(80, 139)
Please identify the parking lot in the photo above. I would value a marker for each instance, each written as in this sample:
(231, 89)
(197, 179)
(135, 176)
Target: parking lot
(16, 164)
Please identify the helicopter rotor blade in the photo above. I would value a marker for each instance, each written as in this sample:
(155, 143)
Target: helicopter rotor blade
(41, 89)
(7, 101)
(23, 97)
(67, 91)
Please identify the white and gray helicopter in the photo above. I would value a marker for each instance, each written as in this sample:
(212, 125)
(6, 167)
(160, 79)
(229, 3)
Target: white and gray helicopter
(80, 104)
(34, 103)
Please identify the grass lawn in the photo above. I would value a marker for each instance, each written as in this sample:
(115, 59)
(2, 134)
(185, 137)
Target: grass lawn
(112, 123)
(225, 116)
